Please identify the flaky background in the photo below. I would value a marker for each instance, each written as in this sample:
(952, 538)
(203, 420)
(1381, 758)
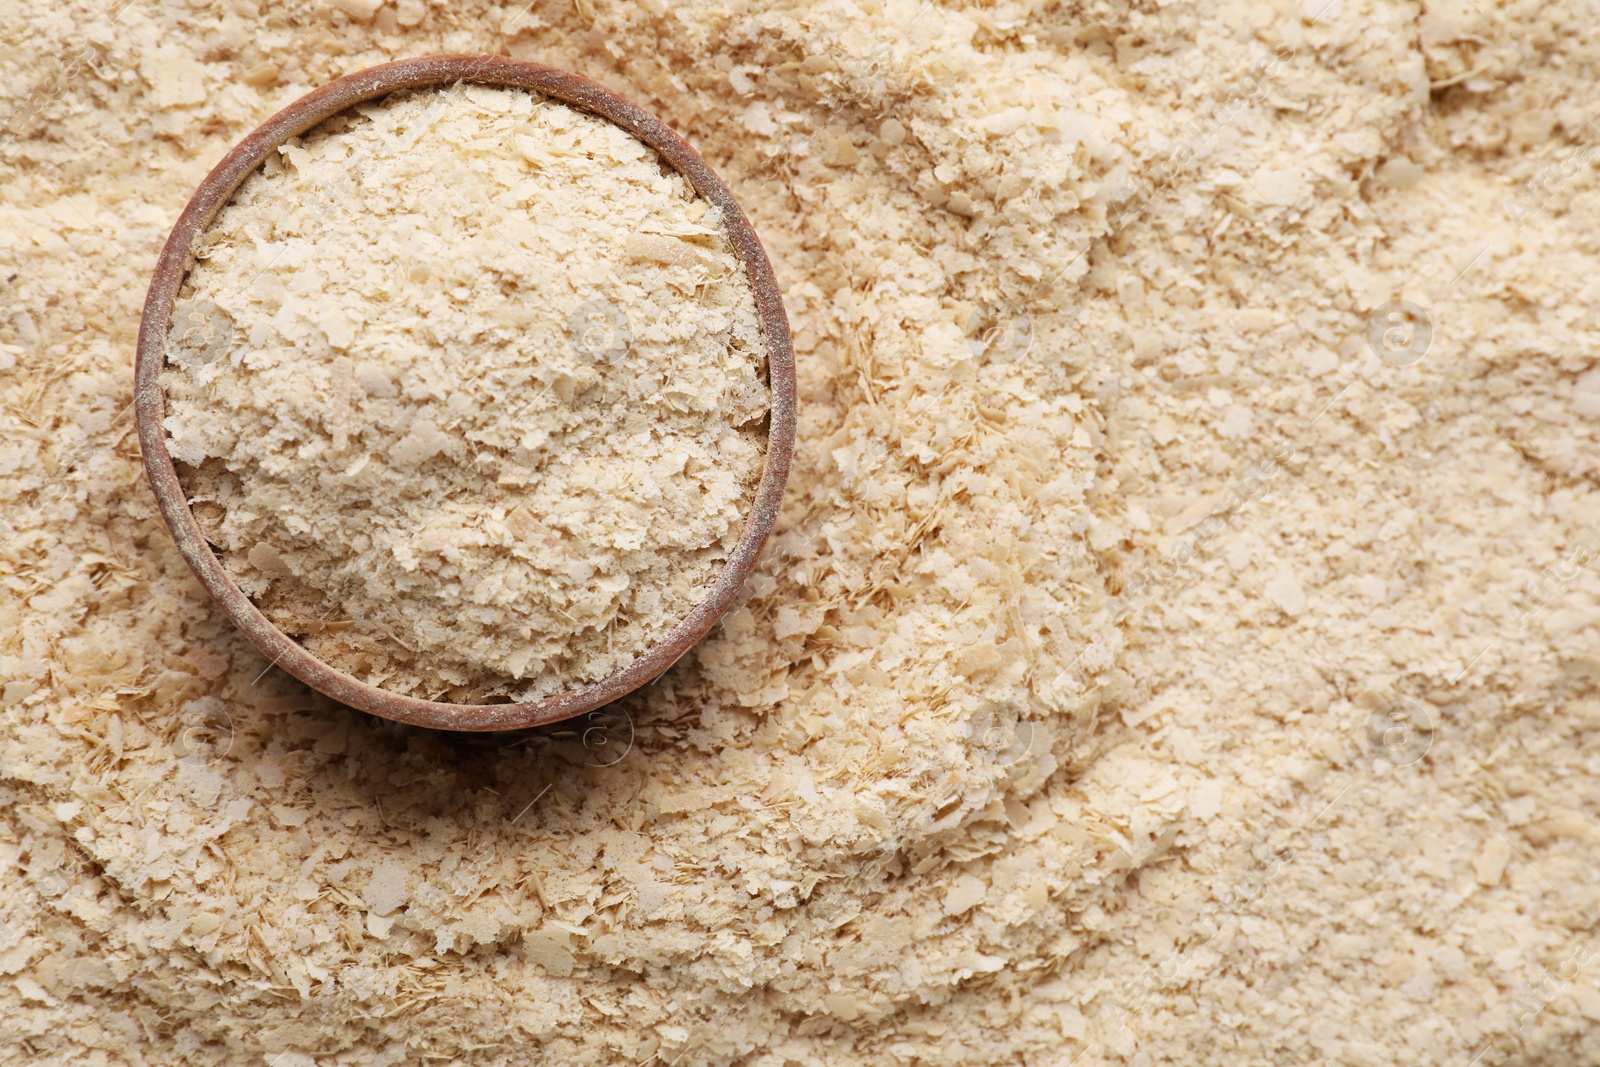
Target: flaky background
(1001, 762)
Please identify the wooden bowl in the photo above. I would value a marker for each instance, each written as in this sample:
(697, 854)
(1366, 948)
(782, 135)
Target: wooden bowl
(150, 404)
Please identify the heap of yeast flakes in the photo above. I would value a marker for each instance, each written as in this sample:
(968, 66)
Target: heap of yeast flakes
(469, 393)
(1142, 672)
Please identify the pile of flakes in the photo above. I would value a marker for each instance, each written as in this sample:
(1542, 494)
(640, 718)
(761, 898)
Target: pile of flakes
(469, 394)
(1171, 652)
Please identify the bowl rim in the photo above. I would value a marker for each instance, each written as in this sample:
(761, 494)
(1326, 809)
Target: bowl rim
(177, 257)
